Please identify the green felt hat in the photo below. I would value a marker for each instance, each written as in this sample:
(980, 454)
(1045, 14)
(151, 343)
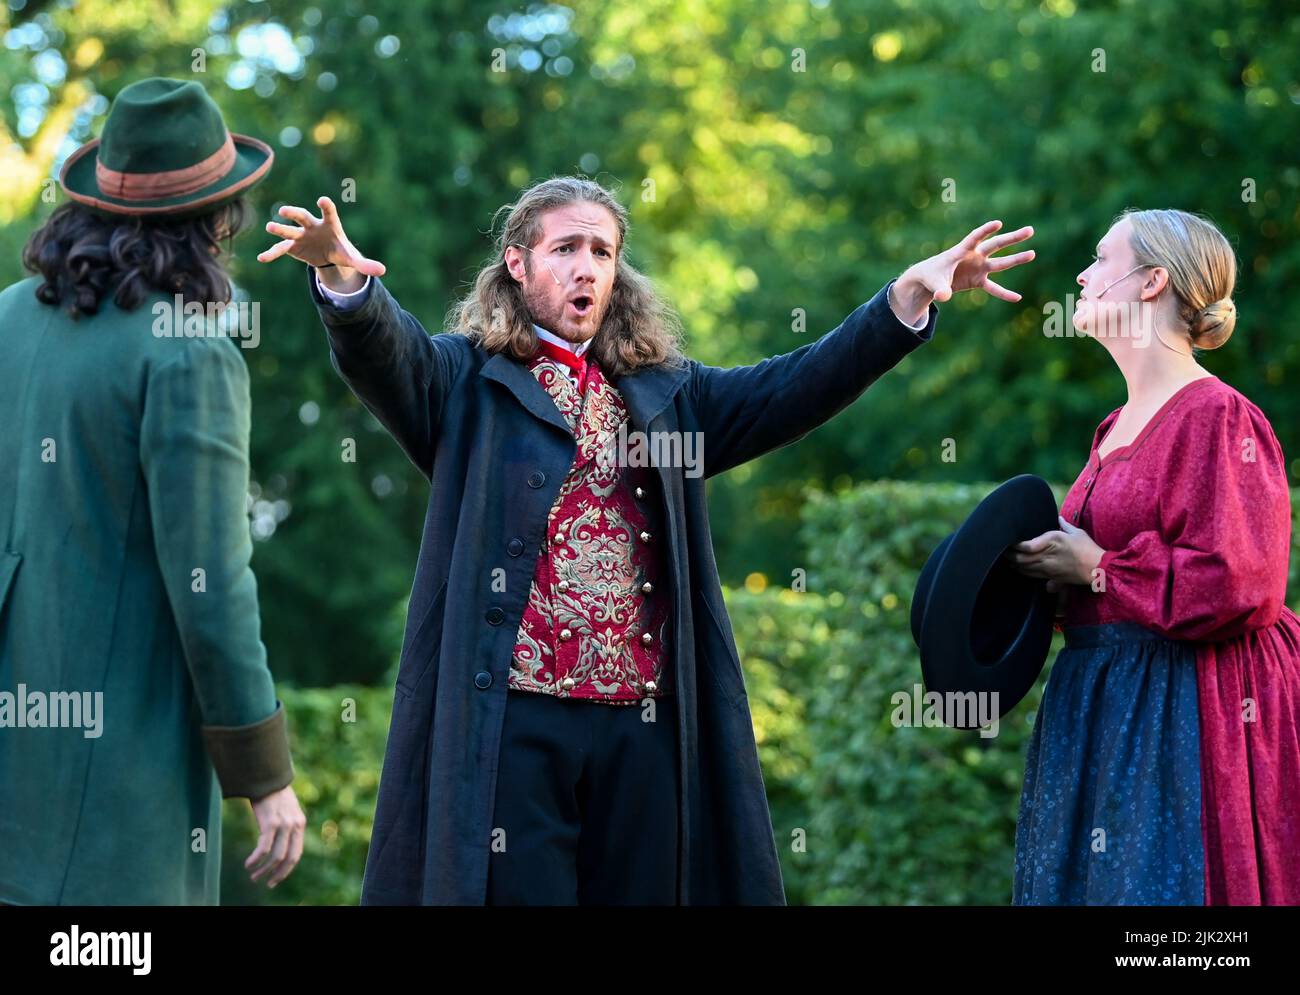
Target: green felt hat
(164, 152)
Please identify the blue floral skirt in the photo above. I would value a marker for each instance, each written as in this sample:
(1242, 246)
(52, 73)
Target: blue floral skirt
(1110, 812)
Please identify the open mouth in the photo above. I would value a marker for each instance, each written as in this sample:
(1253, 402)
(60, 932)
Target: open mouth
(581, 306)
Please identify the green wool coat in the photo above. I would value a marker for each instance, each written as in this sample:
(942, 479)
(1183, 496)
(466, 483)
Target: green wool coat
(134, 688)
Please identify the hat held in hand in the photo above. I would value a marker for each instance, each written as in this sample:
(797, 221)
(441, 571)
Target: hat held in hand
(980, 624)
(164, 152)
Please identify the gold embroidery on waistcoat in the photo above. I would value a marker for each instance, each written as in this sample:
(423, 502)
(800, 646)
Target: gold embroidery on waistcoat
(600, 560)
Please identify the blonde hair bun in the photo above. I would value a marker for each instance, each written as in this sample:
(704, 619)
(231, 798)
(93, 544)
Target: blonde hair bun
(1213, 324)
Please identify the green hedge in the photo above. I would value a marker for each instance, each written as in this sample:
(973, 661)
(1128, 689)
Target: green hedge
(337, 754)
(783, 639)
(896, 815)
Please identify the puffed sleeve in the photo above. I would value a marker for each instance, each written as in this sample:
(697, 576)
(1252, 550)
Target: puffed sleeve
(1217, 566)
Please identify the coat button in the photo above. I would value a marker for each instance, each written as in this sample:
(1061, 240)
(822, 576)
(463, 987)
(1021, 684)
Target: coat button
(651, 686)
(495, 616)
(515, 546)
(645, 638)
(646, 537)
(567, 683)
(640, 492)
(647, 587)
(566, 634)
(562, 586)
(559, 537)
(536, 479)
(482, 680)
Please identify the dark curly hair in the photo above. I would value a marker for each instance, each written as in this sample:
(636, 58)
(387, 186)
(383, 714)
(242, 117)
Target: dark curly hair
(85, 256)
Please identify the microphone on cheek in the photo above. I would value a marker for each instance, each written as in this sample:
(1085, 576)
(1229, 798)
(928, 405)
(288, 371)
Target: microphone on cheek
(544, 263)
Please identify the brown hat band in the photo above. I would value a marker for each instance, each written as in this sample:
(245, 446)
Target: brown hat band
(169, 183)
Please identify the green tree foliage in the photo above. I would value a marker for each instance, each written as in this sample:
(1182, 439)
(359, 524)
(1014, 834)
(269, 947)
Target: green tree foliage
(780, 162)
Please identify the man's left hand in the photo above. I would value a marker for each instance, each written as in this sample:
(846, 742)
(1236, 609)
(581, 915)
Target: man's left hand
(965, 266)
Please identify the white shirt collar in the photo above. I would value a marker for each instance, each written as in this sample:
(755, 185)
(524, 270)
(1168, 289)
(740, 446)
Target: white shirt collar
(577, 350)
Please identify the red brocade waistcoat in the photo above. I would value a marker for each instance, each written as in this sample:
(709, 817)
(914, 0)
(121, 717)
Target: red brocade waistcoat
(597, 621)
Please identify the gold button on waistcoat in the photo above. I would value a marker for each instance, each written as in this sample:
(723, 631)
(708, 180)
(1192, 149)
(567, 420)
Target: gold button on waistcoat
(565, 634)
(651, 686)
(645, 638)
(567, 683)
(647, 587)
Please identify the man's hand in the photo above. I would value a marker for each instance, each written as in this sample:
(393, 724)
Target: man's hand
(965, 266)
(281, 827)
(320, 241)
(1063, 556)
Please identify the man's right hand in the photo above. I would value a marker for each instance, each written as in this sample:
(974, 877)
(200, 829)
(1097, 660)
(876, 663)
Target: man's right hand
(320, 241)
(281, 827)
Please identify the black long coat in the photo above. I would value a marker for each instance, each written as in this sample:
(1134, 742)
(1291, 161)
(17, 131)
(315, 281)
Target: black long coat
(496, 450)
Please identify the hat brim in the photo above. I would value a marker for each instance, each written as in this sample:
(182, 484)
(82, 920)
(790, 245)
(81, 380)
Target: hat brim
(253, 160)
(980, 624)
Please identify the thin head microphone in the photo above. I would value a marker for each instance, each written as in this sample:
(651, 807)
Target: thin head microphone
(1154, 320)
(544, 263)
(1119, 280)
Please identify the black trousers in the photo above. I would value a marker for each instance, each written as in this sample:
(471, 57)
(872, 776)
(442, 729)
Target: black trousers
(586, 804)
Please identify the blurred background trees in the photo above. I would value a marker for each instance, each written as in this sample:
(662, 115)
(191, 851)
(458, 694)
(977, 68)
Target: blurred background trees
(780, 161)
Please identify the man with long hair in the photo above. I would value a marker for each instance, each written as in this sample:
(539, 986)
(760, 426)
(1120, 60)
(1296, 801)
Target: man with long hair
(570, 723)
(134, 688)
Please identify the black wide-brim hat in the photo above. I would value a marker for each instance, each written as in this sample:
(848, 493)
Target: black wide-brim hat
(980, 624)
(164, 152)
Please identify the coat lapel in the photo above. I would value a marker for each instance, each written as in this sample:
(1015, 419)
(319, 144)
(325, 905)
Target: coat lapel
(527, 391)
(646, 392)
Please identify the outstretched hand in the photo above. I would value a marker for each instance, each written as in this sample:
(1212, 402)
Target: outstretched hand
(968, 265)
(319, 241)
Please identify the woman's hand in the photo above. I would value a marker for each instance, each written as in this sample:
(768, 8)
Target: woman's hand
(965, 266)
(321, 241)
(1064, 556)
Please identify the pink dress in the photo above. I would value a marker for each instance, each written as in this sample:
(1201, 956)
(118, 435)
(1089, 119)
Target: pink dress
(1195, 515)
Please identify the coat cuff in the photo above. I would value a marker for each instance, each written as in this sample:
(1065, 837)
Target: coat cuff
(253, 760)
(352, 314)
(924, 331)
